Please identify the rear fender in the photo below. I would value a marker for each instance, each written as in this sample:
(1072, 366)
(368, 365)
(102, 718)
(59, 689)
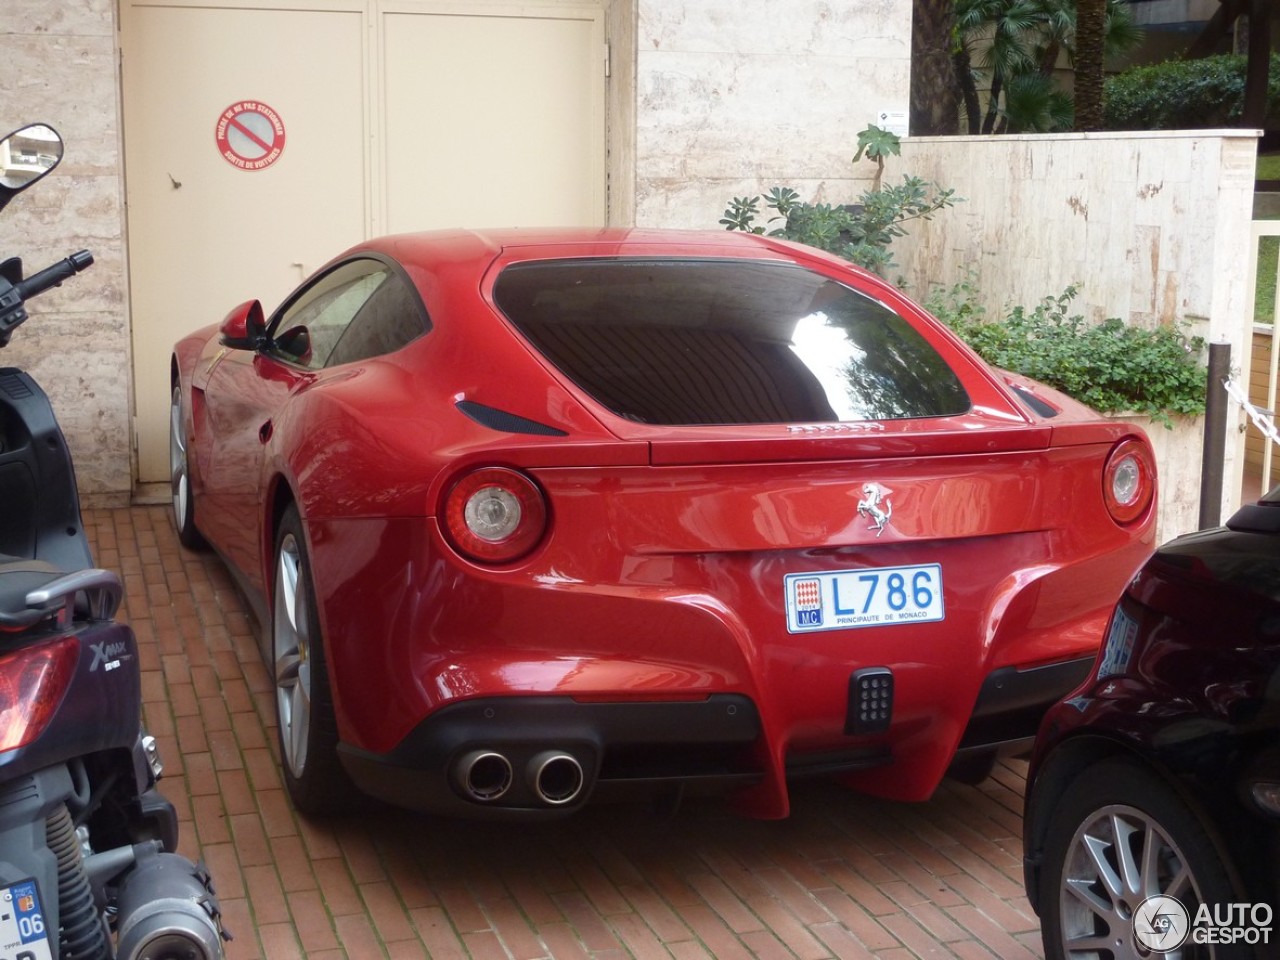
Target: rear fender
(1220, 813)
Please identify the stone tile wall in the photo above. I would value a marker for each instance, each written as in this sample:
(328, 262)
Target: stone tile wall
(1152, 227)
(61, 68)
(736, 96)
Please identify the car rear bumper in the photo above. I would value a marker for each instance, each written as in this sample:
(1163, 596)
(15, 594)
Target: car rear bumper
(453, 762)
(538, 756)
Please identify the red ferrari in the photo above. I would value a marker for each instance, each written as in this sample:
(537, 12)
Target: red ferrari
(537, 517)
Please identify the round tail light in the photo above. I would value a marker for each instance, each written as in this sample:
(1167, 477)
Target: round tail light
(495, 515)
(1129, 480)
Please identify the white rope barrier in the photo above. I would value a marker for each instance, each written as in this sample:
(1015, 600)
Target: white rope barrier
(1261, 418)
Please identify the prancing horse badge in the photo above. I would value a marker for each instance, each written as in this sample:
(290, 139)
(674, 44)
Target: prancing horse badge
(875, 506)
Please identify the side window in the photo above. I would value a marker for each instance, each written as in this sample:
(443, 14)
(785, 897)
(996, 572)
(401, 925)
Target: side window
(390, 318)
(310, 327)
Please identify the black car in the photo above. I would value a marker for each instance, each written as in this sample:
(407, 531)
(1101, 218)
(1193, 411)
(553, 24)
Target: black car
(1152, 823)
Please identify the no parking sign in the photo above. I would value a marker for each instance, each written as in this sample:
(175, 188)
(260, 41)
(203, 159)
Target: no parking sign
(250, 135)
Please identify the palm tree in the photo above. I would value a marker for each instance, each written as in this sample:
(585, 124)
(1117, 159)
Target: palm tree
(1017, 43)
(933, 79)
(1090, 52)
(1001, 31)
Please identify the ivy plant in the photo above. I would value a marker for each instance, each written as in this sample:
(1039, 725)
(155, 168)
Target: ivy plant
(1110, 366)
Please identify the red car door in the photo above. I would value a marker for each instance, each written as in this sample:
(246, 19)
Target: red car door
(246, 392)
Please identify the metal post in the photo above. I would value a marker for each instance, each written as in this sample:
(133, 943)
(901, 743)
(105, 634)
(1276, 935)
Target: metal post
(1215, 435)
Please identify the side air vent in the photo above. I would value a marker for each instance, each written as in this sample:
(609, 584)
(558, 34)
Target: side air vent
(1034, 402)
(496, 419)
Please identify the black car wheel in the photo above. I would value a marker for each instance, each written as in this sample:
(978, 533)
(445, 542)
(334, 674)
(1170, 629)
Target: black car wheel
(1118, 837)
(308, 729)
(184, 507)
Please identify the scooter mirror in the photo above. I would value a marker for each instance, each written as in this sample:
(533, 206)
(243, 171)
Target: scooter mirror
(26, 155)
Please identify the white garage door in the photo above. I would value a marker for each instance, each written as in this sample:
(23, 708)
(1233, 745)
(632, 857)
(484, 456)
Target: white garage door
(261, 142)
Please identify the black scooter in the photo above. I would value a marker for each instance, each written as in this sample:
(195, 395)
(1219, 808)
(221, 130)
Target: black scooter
(86, 840)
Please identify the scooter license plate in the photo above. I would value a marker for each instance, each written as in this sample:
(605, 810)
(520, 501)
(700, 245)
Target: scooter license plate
(22, 931)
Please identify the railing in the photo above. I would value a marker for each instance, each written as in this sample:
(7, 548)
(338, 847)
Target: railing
(1258, 395)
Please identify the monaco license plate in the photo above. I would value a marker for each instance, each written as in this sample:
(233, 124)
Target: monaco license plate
(869, 597)
(22, 931)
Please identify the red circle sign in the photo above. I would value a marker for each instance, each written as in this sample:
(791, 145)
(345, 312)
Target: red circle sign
(250, 135)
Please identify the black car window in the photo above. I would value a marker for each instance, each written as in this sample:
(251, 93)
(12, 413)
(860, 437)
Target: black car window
(686, 342)
(308, 329)
(391, 317)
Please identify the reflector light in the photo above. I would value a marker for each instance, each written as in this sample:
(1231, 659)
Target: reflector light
(495, 515)
(32, 683)
(870, 707)
(1129, 480)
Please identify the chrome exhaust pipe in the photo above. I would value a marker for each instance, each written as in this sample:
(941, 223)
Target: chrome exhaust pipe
(483, 775)
(556, 777)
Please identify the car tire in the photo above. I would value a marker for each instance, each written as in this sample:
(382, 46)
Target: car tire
(1084, 917)
(181, 498)
(307, 726)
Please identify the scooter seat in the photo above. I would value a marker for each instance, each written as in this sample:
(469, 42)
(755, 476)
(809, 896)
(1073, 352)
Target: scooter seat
(18, 577)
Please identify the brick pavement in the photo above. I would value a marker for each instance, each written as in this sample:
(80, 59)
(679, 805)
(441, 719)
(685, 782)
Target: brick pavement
(845, 876)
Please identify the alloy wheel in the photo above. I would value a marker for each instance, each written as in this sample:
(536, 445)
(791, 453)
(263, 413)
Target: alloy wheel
(291, 639)
(1118, 858)
(177, 461)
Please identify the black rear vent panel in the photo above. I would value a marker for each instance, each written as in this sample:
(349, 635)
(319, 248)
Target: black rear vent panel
(505, 422)
(1042, 407)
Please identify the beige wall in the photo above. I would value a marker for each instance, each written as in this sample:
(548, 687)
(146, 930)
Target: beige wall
(60, 63)
(736, 96)
(1153, 227)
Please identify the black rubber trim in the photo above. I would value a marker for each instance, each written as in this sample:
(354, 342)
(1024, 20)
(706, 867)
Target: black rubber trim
(160, 819)
(1012, 702)
(1038, 405)
(838, 762)
(496, 419)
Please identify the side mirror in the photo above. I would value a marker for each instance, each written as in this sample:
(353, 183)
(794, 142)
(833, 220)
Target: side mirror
(26, 155)
(244, 327)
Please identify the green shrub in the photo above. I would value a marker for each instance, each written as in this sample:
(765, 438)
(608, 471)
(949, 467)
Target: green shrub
(1184, 94)
(1109, 366)
(860, 232)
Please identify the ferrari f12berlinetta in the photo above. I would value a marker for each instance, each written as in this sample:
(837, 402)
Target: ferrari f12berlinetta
(536, 517)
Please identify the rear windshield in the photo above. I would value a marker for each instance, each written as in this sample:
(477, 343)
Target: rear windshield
(685, 342)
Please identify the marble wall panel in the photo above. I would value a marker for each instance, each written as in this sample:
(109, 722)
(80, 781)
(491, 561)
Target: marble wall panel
(871, 29)
(736, 97)
(73, 17)
(1153, 229)
(62, 64)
